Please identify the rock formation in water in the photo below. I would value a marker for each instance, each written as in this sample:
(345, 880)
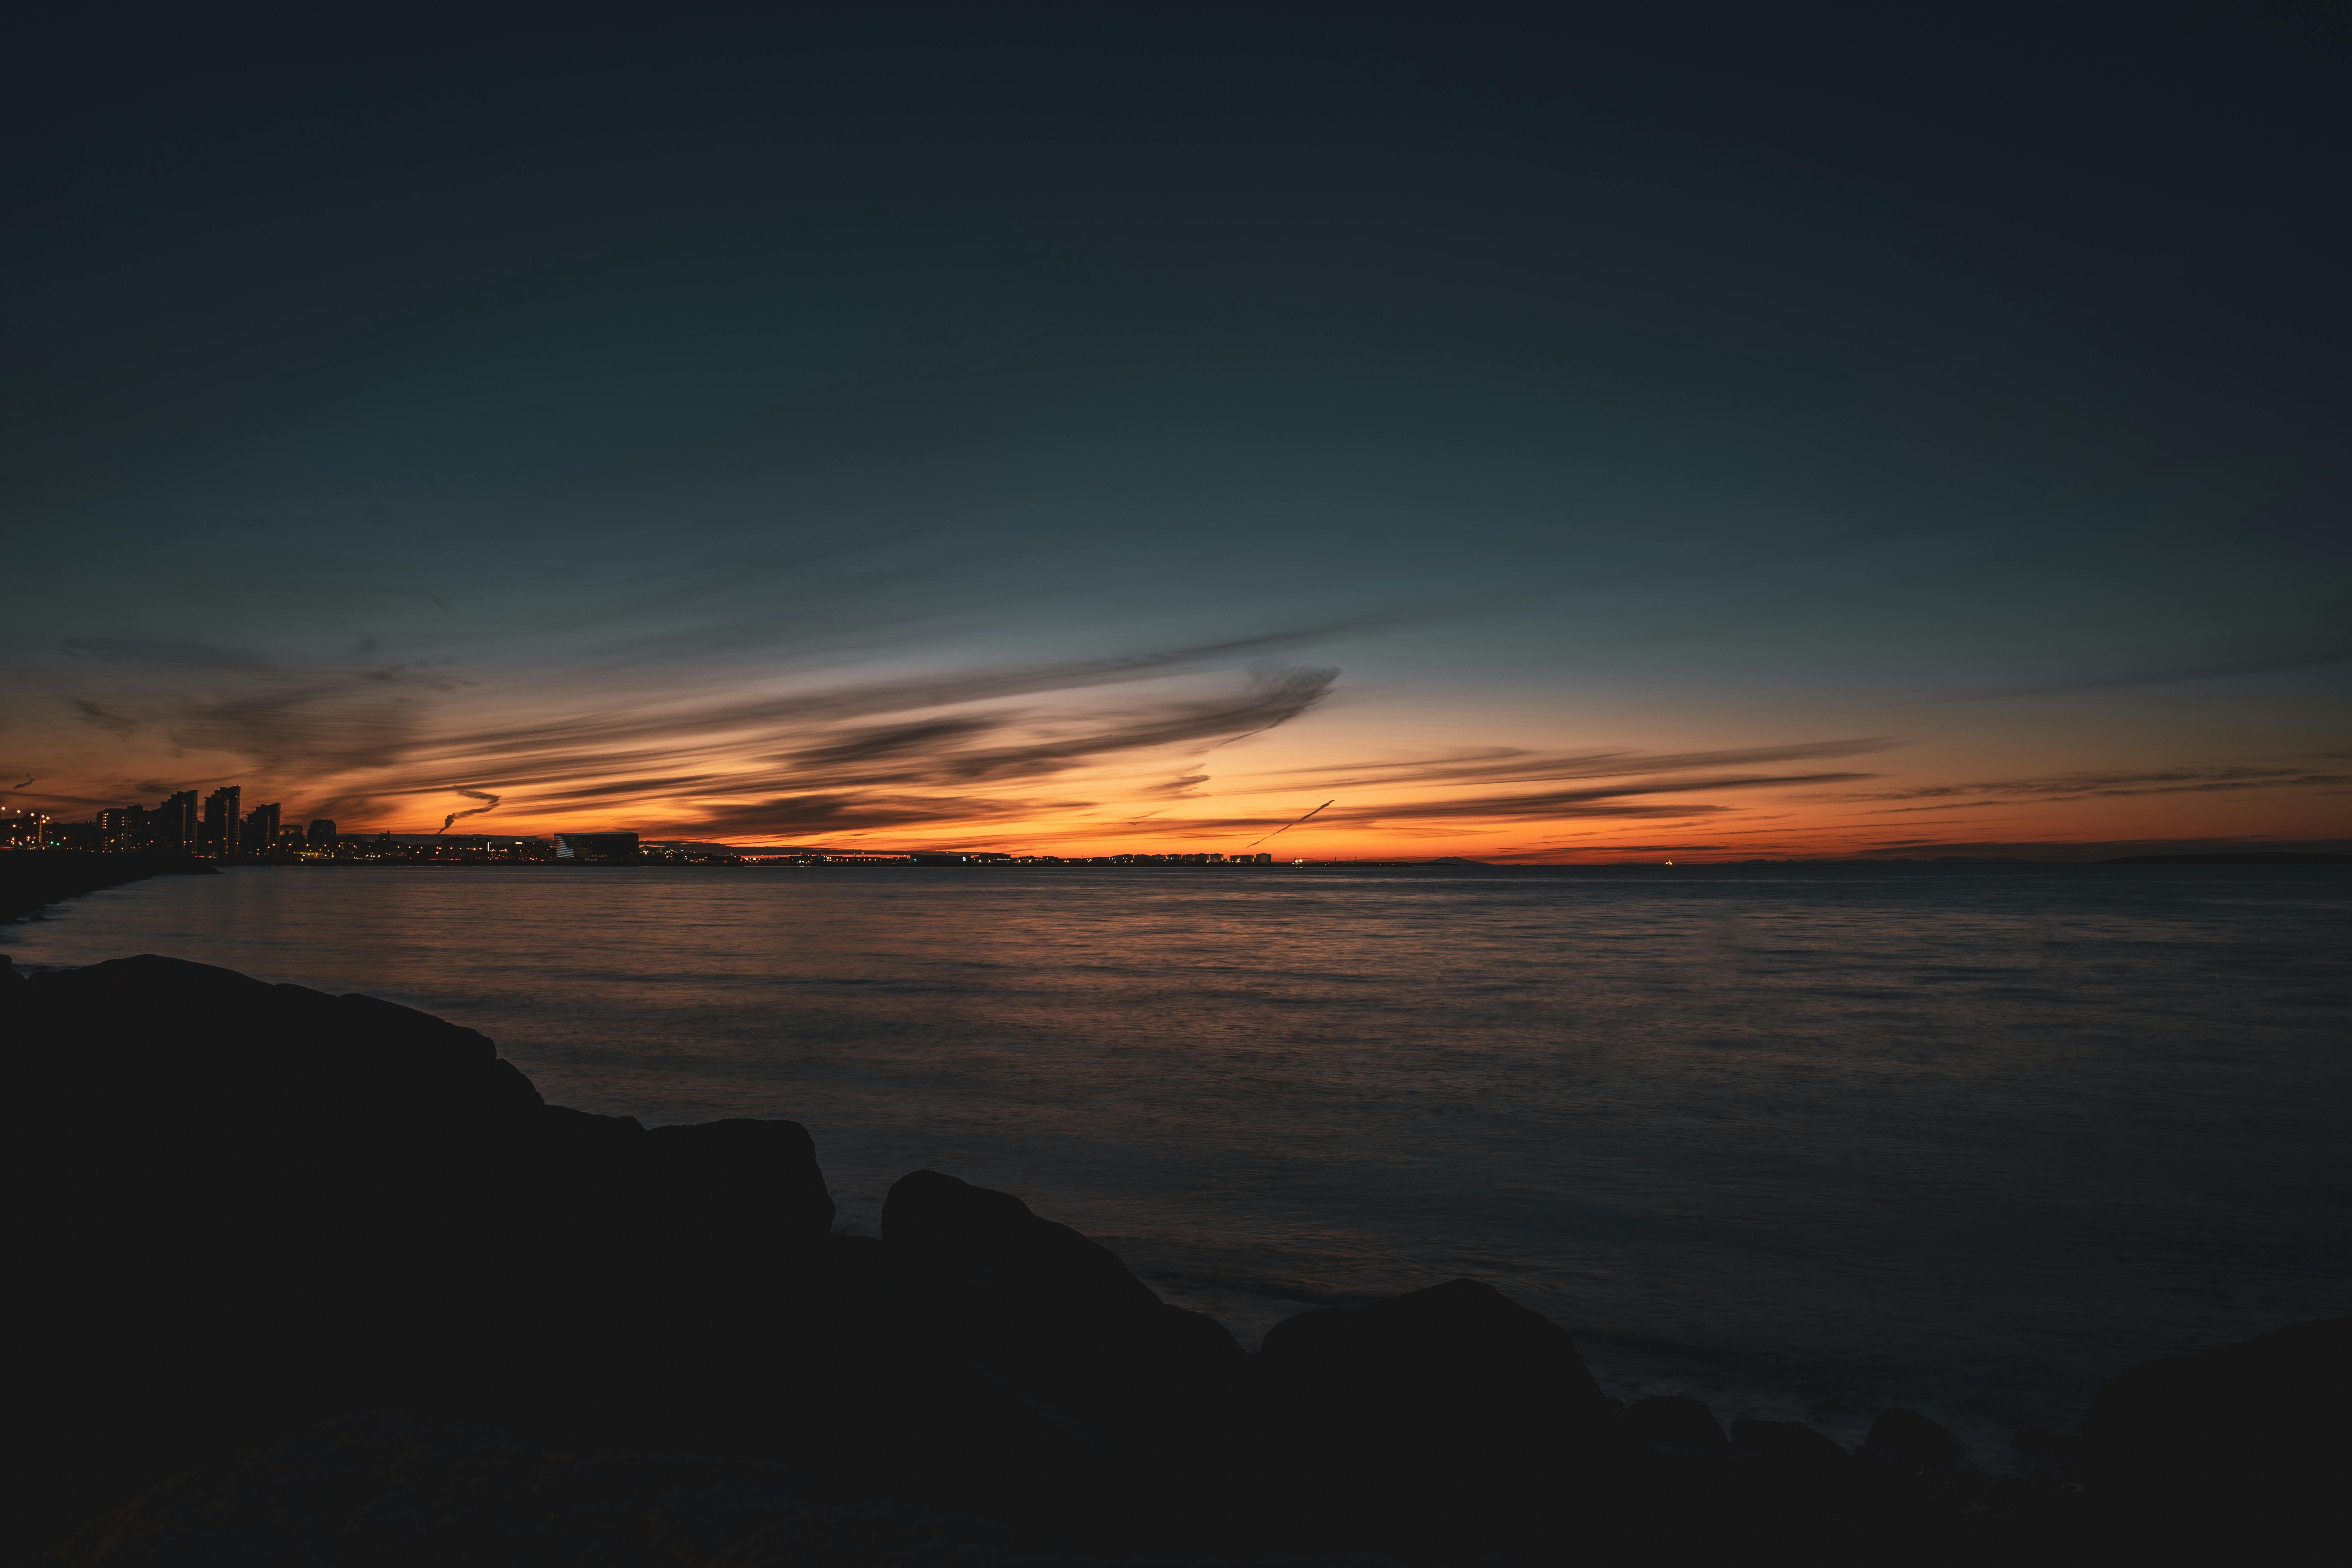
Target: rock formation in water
(321, 1279)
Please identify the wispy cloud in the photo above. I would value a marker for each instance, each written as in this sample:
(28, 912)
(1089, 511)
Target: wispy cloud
(812, 817)
(310, 720)
(801, 711)
(2058, 847)
(208, 657)
(1552, 803)
(321, 727)
(1510, 764)
(948, 746)
(2103, 785)
(2335, 650)
(99, 717)
(1108, 747)
(793, 765)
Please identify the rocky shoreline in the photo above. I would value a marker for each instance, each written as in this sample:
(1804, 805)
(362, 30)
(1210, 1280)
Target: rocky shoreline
(32, 879)
(321, 1279)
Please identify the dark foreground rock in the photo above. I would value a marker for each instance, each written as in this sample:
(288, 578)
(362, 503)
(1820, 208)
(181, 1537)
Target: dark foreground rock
(1472, 1395)
(393, 1490)
(2245, 1442)
(256, 1218)
(1047, 1310)
(1908, 1440)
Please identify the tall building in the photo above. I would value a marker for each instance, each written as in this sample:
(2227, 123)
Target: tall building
(223, 808)
(323, 830)
(261, 829)
(173, 825)
(122, 827)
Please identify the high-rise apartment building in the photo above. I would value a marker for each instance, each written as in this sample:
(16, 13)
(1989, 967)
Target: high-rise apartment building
(173, 825)
(223, 810)
(261, 829)
(323, 830)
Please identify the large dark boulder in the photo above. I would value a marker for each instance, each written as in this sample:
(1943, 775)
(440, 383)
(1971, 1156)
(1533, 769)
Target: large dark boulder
(1782, 1448)
(750, 1181)
(179, 1045)
(988, 1244)
(1905, 1439)
(1673, 1422)
(398, 1489)
(245, 1207)
(1422, 1411)
(2247, 1442)
(1462, 1354)
(1061, 1319)
(392, 1489)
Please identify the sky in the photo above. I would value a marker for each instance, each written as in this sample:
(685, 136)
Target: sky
(1540, 432)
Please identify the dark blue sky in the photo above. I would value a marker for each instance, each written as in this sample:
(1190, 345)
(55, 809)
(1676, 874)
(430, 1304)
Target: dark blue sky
(1019, 424)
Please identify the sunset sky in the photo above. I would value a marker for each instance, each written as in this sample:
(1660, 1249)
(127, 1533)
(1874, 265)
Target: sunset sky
(1544, 435)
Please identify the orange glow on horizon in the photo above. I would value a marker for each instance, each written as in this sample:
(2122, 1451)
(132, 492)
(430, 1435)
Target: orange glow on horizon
(1196, 763)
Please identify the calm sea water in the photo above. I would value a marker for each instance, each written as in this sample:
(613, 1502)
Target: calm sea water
(1801, 1146)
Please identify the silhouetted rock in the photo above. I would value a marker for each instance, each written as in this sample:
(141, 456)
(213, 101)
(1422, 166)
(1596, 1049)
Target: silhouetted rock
(1461, 1353)
(758, 1180)
(2053, 1458)
(251, 1210)
(1410, 1414)
(179, 1043)
(1907, 1438)
(1673, 1422)
(392, 1490)
(2246, 1442)
(989, 1242)
(255, 1207)
(1783, 1445)
(1061, 1319)
(562, 1130)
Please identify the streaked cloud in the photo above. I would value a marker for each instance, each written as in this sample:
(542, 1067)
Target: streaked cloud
(790, 765)
(1508, 764)
(2107, 785)
(2335, 650)
(98, 716)
(1561, 804)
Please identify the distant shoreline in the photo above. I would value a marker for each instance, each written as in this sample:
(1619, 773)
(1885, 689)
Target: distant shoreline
(1947, 865)
(32, 880)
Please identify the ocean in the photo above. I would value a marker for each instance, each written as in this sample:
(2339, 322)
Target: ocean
(1805, 1146)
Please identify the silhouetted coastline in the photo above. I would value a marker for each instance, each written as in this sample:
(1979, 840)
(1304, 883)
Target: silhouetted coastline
(2235, 858)
(32, 879)
(322, 1280)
